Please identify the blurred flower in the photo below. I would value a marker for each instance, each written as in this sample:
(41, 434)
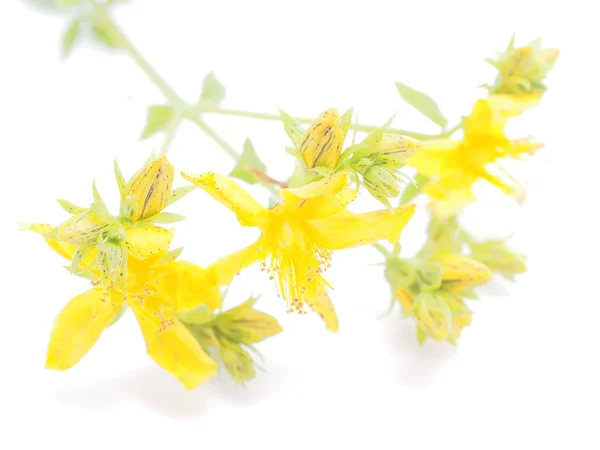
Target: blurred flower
(299, 234)
(455, 165)
(522, 70)
(432, 291)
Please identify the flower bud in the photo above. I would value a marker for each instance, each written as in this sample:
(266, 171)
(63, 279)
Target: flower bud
(460, 273)
(246, 325)
(237, 361)
(381, 183)
(321, 145)
(395, 147)
(149, 189)
(523, 69)
(499, 257)
(80, 230)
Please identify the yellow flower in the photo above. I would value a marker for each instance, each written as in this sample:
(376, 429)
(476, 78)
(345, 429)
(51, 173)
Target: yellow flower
(435, 297)
(157, 289)
(454, 165)
(299, 234)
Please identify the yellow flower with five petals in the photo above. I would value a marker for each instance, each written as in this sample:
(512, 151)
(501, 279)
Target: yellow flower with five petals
(300, 233)
(158, 289)
(454, 165)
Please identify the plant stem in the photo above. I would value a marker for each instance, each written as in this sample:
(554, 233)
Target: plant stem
(227, 148)
(381, 249)
(117, 36)
(265, 116)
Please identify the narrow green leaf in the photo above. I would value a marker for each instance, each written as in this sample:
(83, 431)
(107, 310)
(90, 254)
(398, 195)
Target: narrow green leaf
(421, 336)
(120, 178)
(248, 162)
(172, 255)
(292, 127)
(179, 193)
(70, 36)
(103, 36)
(166, 218)
(198, 316)
(422, 103)
(212, 90)
(70, 207)
(346, 120)
(413, 189)
(159, 117)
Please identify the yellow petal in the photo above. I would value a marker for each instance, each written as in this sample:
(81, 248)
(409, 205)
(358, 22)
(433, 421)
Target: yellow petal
(510, 105)
(226, 268)
(294, 197)
(451, 193)
(79, 325)
(148, 240)
(460, 272)
(248, 211)
(185, 286)
(171, 345)
(433, 157)
(350, 230)
(323, 306)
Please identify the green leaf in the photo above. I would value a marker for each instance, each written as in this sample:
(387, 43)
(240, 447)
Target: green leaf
(70, 207)
(413, 189)
(248, 162)
(421, 336)
(197, 316)
(293, 129)
(120, 178)
(119, 314)
(166, 218)
(212, 90)
(179, 193)
(70, 37)
(172, 255)
(159, 117)
(99, 207)
(422, 103)
(103, 35)
(346, 120)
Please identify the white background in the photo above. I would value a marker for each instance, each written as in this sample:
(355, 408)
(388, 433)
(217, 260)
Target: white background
(525, 373)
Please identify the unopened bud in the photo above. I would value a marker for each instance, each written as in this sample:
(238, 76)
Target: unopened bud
(80, 230)
(523, 69)
(460, 273)
(321, 145)
(149, 190)
(499, 257)
(381, 182)
(396, 148)
(246, 325)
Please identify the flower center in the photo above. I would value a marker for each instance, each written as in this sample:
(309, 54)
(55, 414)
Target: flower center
(296, 261)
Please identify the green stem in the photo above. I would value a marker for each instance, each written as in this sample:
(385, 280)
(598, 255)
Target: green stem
(227, 148)
(381, 249)
(111, 28)
(265, 116)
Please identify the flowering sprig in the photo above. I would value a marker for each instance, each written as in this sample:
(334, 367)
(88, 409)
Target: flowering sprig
(178, 304)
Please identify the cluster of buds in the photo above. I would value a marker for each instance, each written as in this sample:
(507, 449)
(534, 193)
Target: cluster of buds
(523, 69)
(376, 160)
(232, 333)
(105, 242)
(432, 291)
